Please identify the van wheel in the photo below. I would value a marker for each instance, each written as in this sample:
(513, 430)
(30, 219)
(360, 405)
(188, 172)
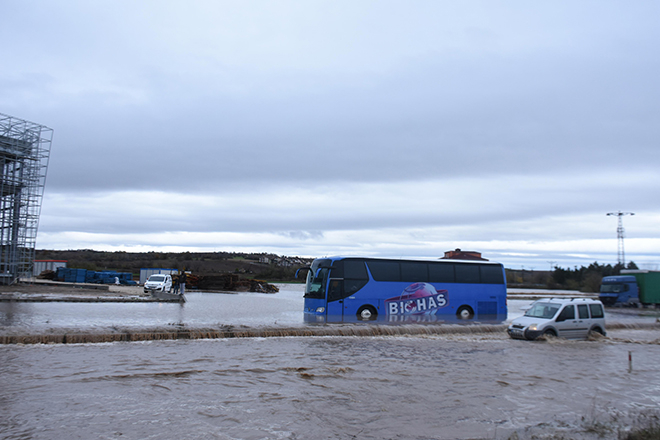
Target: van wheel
(465, 312)
(550, 332)
(367, 313)
(596, 330)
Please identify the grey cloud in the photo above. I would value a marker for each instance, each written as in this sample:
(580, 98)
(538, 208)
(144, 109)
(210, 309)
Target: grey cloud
(219, 99)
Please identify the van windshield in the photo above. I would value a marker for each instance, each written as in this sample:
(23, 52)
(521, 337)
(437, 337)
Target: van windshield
(542, 310)
(157, 278)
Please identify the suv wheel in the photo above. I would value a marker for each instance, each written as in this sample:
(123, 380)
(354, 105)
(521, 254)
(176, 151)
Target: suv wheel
(549, 333)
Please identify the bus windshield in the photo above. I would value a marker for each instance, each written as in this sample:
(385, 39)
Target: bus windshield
(542, 310)
(317, 277)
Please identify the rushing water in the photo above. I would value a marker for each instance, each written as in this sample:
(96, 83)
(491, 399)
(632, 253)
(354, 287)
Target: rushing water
(318, 388)
(414, 387)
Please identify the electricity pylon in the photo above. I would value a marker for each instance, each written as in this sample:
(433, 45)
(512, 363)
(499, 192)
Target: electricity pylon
(620, 255)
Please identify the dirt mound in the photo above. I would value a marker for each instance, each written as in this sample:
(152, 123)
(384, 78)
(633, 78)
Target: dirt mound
(231, 283)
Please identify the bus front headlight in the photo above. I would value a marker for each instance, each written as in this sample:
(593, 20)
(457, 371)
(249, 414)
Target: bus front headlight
(320, 309)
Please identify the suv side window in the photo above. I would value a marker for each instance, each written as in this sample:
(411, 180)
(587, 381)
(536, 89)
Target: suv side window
(596, 310)
(567, 313)
(583, 311)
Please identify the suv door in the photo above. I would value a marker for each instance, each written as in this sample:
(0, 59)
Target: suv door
(566, 324)
(583, 323)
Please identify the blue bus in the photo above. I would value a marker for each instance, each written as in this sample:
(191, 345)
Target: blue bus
(340, 289)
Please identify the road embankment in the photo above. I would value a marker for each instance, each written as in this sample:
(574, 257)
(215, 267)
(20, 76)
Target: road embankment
(52, 291)
(176, 332)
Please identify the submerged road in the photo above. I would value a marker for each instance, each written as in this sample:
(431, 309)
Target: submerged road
(413, 384)
(409, 387)
(216, 314)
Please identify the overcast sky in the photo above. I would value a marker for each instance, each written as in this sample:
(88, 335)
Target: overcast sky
(316, 128)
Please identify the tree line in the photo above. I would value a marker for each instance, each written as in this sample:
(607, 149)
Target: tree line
(248, 265)
(586, 279)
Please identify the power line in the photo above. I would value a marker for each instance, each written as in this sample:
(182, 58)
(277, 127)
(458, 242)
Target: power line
(621, 256)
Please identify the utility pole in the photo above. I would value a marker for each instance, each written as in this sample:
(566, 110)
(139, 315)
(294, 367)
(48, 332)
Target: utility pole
(620, 255)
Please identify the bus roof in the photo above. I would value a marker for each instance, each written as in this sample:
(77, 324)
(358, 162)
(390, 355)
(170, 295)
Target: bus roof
(425, 260)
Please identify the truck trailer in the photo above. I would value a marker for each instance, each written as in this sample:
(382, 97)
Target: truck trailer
(632, 288)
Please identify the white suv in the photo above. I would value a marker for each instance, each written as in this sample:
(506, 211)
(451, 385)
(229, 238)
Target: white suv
(572, 318)
(158, 283)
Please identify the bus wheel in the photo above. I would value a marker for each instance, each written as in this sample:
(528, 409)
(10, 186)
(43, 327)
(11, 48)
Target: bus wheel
(367, 313)
(465, 312)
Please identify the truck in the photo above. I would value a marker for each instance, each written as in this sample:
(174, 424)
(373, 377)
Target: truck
(631, 288)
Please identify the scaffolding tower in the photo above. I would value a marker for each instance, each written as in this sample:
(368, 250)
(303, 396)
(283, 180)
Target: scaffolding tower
(24, 154)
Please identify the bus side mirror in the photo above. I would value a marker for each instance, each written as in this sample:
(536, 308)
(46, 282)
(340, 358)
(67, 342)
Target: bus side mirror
(302, 268)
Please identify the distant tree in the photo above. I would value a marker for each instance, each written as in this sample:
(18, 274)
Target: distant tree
(591, 282)
(632, 266)
(561, 275)
(583, 278)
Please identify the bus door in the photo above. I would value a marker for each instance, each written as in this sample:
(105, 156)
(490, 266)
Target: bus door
(335, 307)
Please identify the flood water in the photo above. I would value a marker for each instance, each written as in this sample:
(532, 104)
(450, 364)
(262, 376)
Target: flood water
(283, 309)
(328, 387)
(416, 387)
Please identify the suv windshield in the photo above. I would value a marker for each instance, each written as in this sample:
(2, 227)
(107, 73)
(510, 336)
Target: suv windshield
(542, 310)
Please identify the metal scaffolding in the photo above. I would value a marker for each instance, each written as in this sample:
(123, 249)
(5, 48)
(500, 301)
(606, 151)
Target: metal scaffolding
(24, 154)
(620, 235)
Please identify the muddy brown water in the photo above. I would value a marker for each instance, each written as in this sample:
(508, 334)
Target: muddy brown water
(407, 382)
(412, 387)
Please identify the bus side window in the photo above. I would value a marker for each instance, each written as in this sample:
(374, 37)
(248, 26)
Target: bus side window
(414, 271)
(441, 273)
(385, 270)
(335, 290)
(336, 284)
(491, 274)
(467, 273)
(355, 276)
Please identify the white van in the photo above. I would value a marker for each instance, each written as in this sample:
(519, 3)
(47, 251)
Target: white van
(572, 318)
(159, 283)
